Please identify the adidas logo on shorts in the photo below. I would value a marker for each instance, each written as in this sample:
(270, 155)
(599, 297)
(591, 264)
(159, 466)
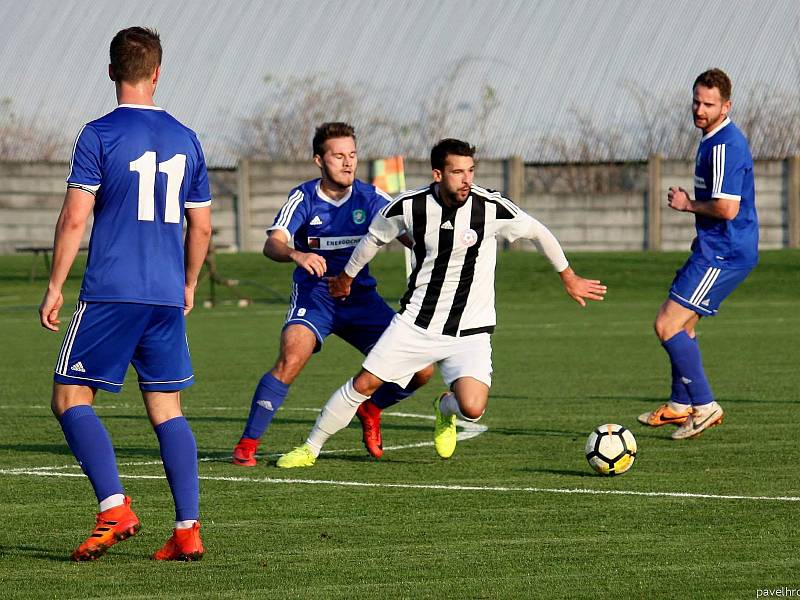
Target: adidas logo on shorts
(78, 366)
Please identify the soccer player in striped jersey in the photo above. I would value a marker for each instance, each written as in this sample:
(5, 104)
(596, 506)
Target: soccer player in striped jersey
(325, 218)
(723, 254)
(141, 173)
(447, 314)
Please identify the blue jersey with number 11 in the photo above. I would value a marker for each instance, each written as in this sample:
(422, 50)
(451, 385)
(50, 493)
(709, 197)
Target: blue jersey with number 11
(144, 168)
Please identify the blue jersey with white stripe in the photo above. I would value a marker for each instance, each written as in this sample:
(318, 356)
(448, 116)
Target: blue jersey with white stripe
(724, 169)
(144, 168)
(330, 228)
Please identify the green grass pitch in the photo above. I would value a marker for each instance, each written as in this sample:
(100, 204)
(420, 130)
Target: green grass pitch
(516, 513)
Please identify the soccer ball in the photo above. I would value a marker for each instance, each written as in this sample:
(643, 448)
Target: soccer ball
(611, 449)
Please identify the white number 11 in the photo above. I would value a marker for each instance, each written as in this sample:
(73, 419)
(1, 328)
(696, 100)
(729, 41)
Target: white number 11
(174, 168)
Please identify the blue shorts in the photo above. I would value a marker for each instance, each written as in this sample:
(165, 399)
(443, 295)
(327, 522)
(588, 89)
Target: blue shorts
(103, 338)
(700, 287)
(360, 319)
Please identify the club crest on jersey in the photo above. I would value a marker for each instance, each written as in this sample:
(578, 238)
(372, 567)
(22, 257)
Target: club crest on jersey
(469, 237)
(359, 216)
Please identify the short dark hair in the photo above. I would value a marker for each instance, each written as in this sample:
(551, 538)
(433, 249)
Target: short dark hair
(135, 54)
(328, 131)
(448, 146)
(715, 78)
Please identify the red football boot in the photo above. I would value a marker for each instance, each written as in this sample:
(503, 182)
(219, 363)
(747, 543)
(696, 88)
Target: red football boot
(244, 453)
(113, 525)
(370, 417)
(185, 544)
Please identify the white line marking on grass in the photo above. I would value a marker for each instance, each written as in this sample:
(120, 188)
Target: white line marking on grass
(440, 487)
(468, 431)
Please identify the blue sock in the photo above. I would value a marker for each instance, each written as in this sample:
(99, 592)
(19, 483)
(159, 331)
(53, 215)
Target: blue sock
(91, 445)
(179, 455)
(268, 397)
(680, 394)
(684, 352)
(390, 394)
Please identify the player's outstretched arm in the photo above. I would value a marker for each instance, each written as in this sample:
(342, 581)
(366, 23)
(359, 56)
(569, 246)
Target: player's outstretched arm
(198, 236)
(580, 289)
(278, 249)
(71, 224)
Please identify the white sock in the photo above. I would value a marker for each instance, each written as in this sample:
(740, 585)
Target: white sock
(448, 405)
(678, 407)
(185, 524)
(112, 501)
(337, 413)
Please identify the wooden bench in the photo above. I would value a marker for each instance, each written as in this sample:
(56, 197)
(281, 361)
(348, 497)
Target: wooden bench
(45, 251)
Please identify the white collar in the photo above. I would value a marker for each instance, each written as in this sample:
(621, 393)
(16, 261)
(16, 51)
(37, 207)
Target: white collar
(716, 129)
(329, 200)
(143, 106)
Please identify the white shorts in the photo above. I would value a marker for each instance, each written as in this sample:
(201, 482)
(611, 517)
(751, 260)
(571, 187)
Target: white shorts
(404, 349)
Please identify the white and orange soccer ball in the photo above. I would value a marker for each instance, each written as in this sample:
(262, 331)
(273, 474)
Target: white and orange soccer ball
(611, 449)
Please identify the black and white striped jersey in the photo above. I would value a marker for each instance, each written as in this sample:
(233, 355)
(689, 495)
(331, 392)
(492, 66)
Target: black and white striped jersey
(451, 285)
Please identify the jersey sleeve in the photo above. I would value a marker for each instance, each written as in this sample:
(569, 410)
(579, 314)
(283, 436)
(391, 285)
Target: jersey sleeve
(728, 167)
(514, 223)
(389, 222)
(85, 168)
(199, 194)
(291, 215)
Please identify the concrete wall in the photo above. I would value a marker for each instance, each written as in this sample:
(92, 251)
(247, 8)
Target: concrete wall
(587, 206)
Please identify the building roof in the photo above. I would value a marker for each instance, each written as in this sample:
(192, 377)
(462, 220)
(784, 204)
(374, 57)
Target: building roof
(548, 80)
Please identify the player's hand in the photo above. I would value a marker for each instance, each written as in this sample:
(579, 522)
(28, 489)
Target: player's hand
(313, 263)
(339, 286)
(48, 310)
(580, 289)
(678, 199)
(188, 299)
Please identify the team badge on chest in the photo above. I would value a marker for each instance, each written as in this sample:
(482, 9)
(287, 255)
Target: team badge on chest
(469, 237)
(359, 216)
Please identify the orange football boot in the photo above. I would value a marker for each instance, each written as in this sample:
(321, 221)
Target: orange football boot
(370, 417)
(664, 415)
(113, 525)
(185, 544)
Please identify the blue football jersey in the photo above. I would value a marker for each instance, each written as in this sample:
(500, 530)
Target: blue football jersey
(724, 169)
(329, 227)
(144, 168)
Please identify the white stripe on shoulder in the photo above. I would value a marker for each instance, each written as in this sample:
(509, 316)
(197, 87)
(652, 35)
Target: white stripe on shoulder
(496, 196)
(719, 168)
(287, 211)
(74, 146)
(401, 198)
(383, 194)
(384, 211)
